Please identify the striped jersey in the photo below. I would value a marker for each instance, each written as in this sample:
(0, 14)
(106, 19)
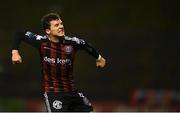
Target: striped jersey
(56, 59)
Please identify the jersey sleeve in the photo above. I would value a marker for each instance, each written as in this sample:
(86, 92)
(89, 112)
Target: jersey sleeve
(82, 44)
(28, 37)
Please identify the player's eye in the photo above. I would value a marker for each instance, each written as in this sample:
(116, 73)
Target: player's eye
(56, 25)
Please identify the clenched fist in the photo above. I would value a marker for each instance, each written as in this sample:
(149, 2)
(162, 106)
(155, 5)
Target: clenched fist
(101, 62)
(16, 58)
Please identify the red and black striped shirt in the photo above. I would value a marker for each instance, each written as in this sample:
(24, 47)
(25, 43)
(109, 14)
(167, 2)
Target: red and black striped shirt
(56, 59)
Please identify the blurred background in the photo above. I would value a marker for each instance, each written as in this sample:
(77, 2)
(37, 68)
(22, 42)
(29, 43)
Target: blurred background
(139, 39)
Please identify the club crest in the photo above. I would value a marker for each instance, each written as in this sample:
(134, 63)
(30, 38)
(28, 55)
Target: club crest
(68, 49)
(57, 104)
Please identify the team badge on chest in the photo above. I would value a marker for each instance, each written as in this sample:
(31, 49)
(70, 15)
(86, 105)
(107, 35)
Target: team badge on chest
(68, 49)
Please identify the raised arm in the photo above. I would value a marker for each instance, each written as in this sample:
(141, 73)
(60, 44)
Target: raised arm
(26, 36)
(100, 61)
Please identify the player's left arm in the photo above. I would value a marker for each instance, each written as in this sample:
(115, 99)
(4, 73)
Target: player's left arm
(100, 61)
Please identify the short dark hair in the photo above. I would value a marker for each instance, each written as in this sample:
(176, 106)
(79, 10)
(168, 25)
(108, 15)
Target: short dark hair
(45, 21)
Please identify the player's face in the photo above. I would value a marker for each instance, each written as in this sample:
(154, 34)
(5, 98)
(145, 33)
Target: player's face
(56, 28)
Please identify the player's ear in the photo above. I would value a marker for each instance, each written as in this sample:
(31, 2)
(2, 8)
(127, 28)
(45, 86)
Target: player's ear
(48, 31)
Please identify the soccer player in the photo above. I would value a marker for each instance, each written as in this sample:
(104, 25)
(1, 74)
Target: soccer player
(57, 56)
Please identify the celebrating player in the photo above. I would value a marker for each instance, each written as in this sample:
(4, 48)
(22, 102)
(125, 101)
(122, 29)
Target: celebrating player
(57, 53)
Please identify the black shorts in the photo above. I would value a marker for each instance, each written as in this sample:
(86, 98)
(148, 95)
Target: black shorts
(56, 102)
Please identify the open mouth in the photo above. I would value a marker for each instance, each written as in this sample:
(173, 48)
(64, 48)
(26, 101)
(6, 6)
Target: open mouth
(61, 31)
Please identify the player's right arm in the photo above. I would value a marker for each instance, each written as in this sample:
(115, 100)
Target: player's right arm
(26, 36)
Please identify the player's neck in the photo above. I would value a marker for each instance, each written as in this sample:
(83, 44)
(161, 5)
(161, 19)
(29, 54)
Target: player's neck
(54, 39)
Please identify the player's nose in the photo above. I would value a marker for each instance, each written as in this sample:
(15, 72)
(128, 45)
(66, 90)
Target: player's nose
(61, 26)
